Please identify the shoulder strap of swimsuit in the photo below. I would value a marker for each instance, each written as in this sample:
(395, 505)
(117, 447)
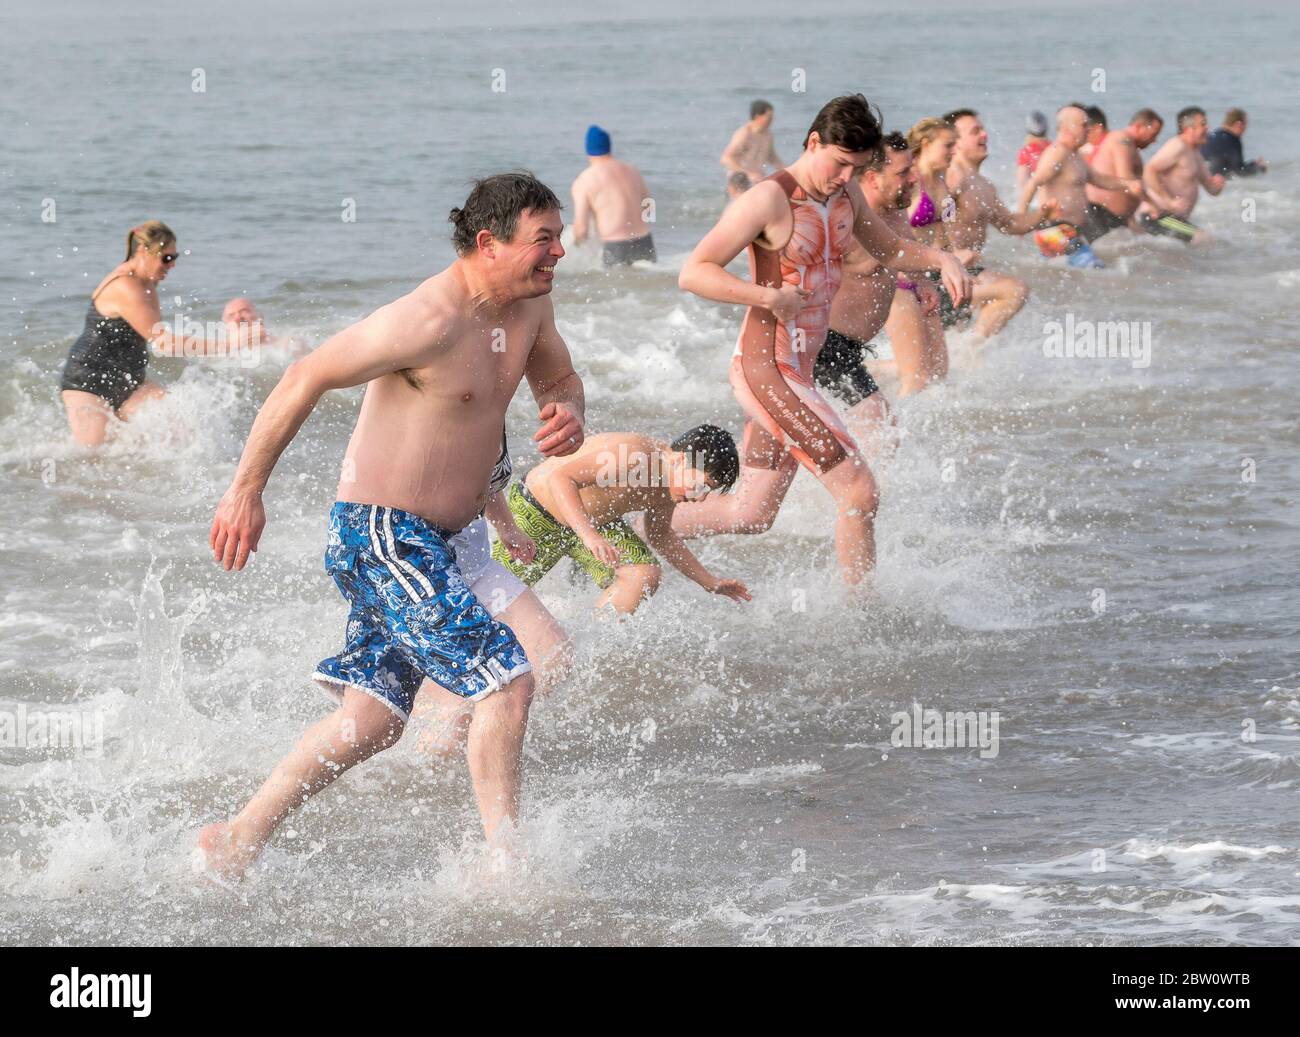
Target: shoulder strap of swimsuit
(105, 285)
(788, 183)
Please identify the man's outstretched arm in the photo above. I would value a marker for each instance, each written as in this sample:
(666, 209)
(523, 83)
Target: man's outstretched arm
(406, 333)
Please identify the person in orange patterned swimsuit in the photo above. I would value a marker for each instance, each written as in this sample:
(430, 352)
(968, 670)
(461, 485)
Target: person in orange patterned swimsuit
(797, 225)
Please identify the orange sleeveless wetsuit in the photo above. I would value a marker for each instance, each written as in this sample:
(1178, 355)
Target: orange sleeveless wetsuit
(772, 370)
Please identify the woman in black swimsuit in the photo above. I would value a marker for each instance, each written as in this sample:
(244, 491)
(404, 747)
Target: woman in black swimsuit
(105, 371)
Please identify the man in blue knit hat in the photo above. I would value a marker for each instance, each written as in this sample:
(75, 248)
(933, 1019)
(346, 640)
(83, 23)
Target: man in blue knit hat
(614, 194)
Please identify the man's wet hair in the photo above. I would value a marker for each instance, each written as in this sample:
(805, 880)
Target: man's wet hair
(1188, 116)
(892, 141)
(849, 121)
(959, 113)
(712, 451)
(1233, 116)
(1096, 117)
(1146, 117)
(495, 204)
(758, 108)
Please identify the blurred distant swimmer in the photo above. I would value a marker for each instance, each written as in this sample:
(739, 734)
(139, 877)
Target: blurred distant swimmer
(440, 366)
(751, 151)
(797, 225)
(1062, 176)
(1175, 174)
(105, 373)
(1119, 155)
(1223, 152)
(1034, 144)
(738, 184)
(999, 297)
(615, 194)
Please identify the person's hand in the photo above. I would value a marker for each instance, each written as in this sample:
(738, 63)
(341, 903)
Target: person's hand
(236, 528)
(519, 545)
(602, 549)
(968, 256)
(1261, 164)
(787, 301)
(561, 432)
(1049, 210)
(733, 589)
(1133, 187)
(955, 278)
(1218, 180)
(928, 296)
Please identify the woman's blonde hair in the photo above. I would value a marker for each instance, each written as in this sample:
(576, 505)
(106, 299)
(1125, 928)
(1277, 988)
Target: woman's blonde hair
(923, 132)
(152, 235)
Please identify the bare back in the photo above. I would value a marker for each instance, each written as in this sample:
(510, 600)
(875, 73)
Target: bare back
(1117, 156)
(616, 194)
(615, 474)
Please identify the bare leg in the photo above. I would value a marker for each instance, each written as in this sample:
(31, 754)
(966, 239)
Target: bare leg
(935, 353)
(906, 330)
(750, 508)
(549, 650)
(873, 426)
(999, 298)
(856, 499)
(632, 585)
(88, 416)
(359, 728)
(146, 393)
(496, 741)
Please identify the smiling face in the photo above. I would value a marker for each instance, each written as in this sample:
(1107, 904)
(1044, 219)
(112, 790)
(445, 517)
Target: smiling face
(832, 167)
(937, 152)
(972, 139)
(524, 267)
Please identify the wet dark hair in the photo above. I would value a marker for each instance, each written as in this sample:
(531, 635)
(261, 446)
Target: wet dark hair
(758, 108)
(849, 121)
(959, 113)
(495, 204)
(1096, 117)
(712, 451)
(1187, 116)
(892, 141)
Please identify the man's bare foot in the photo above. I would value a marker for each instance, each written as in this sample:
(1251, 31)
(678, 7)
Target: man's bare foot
(219, 856)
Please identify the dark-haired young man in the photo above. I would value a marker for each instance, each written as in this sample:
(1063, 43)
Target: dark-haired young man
(1095, 132)
(1175, 174)
(999, 297)
(574, 506)
(440, 366)
(797, 225)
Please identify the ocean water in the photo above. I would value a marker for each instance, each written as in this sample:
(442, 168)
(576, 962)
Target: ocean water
(1102, 555)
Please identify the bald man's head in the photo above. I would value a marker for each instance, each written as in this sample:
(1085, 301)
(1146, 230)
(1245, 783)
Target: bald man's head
(1071, 123)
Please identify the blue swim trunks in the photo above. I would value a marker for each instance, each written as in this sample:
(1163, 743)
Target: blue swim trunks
(413, 616)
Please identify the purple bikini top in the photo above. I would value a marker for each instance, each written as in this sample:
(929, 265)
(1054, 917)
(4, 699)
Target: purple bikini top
(925, 214)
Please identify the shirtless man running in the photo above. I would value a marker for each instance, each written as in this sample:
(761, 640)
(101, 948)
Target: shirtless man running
(871, 295)
(752, 151)
(615, 194)
(1173, 178)
(1119, 154)
(1062, 176)
(998, 296)
(440, 366)
(798, 224)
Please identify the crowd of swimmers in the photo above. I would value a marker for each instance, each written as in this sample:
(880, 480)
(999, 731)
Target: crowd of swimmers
(866, 230)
